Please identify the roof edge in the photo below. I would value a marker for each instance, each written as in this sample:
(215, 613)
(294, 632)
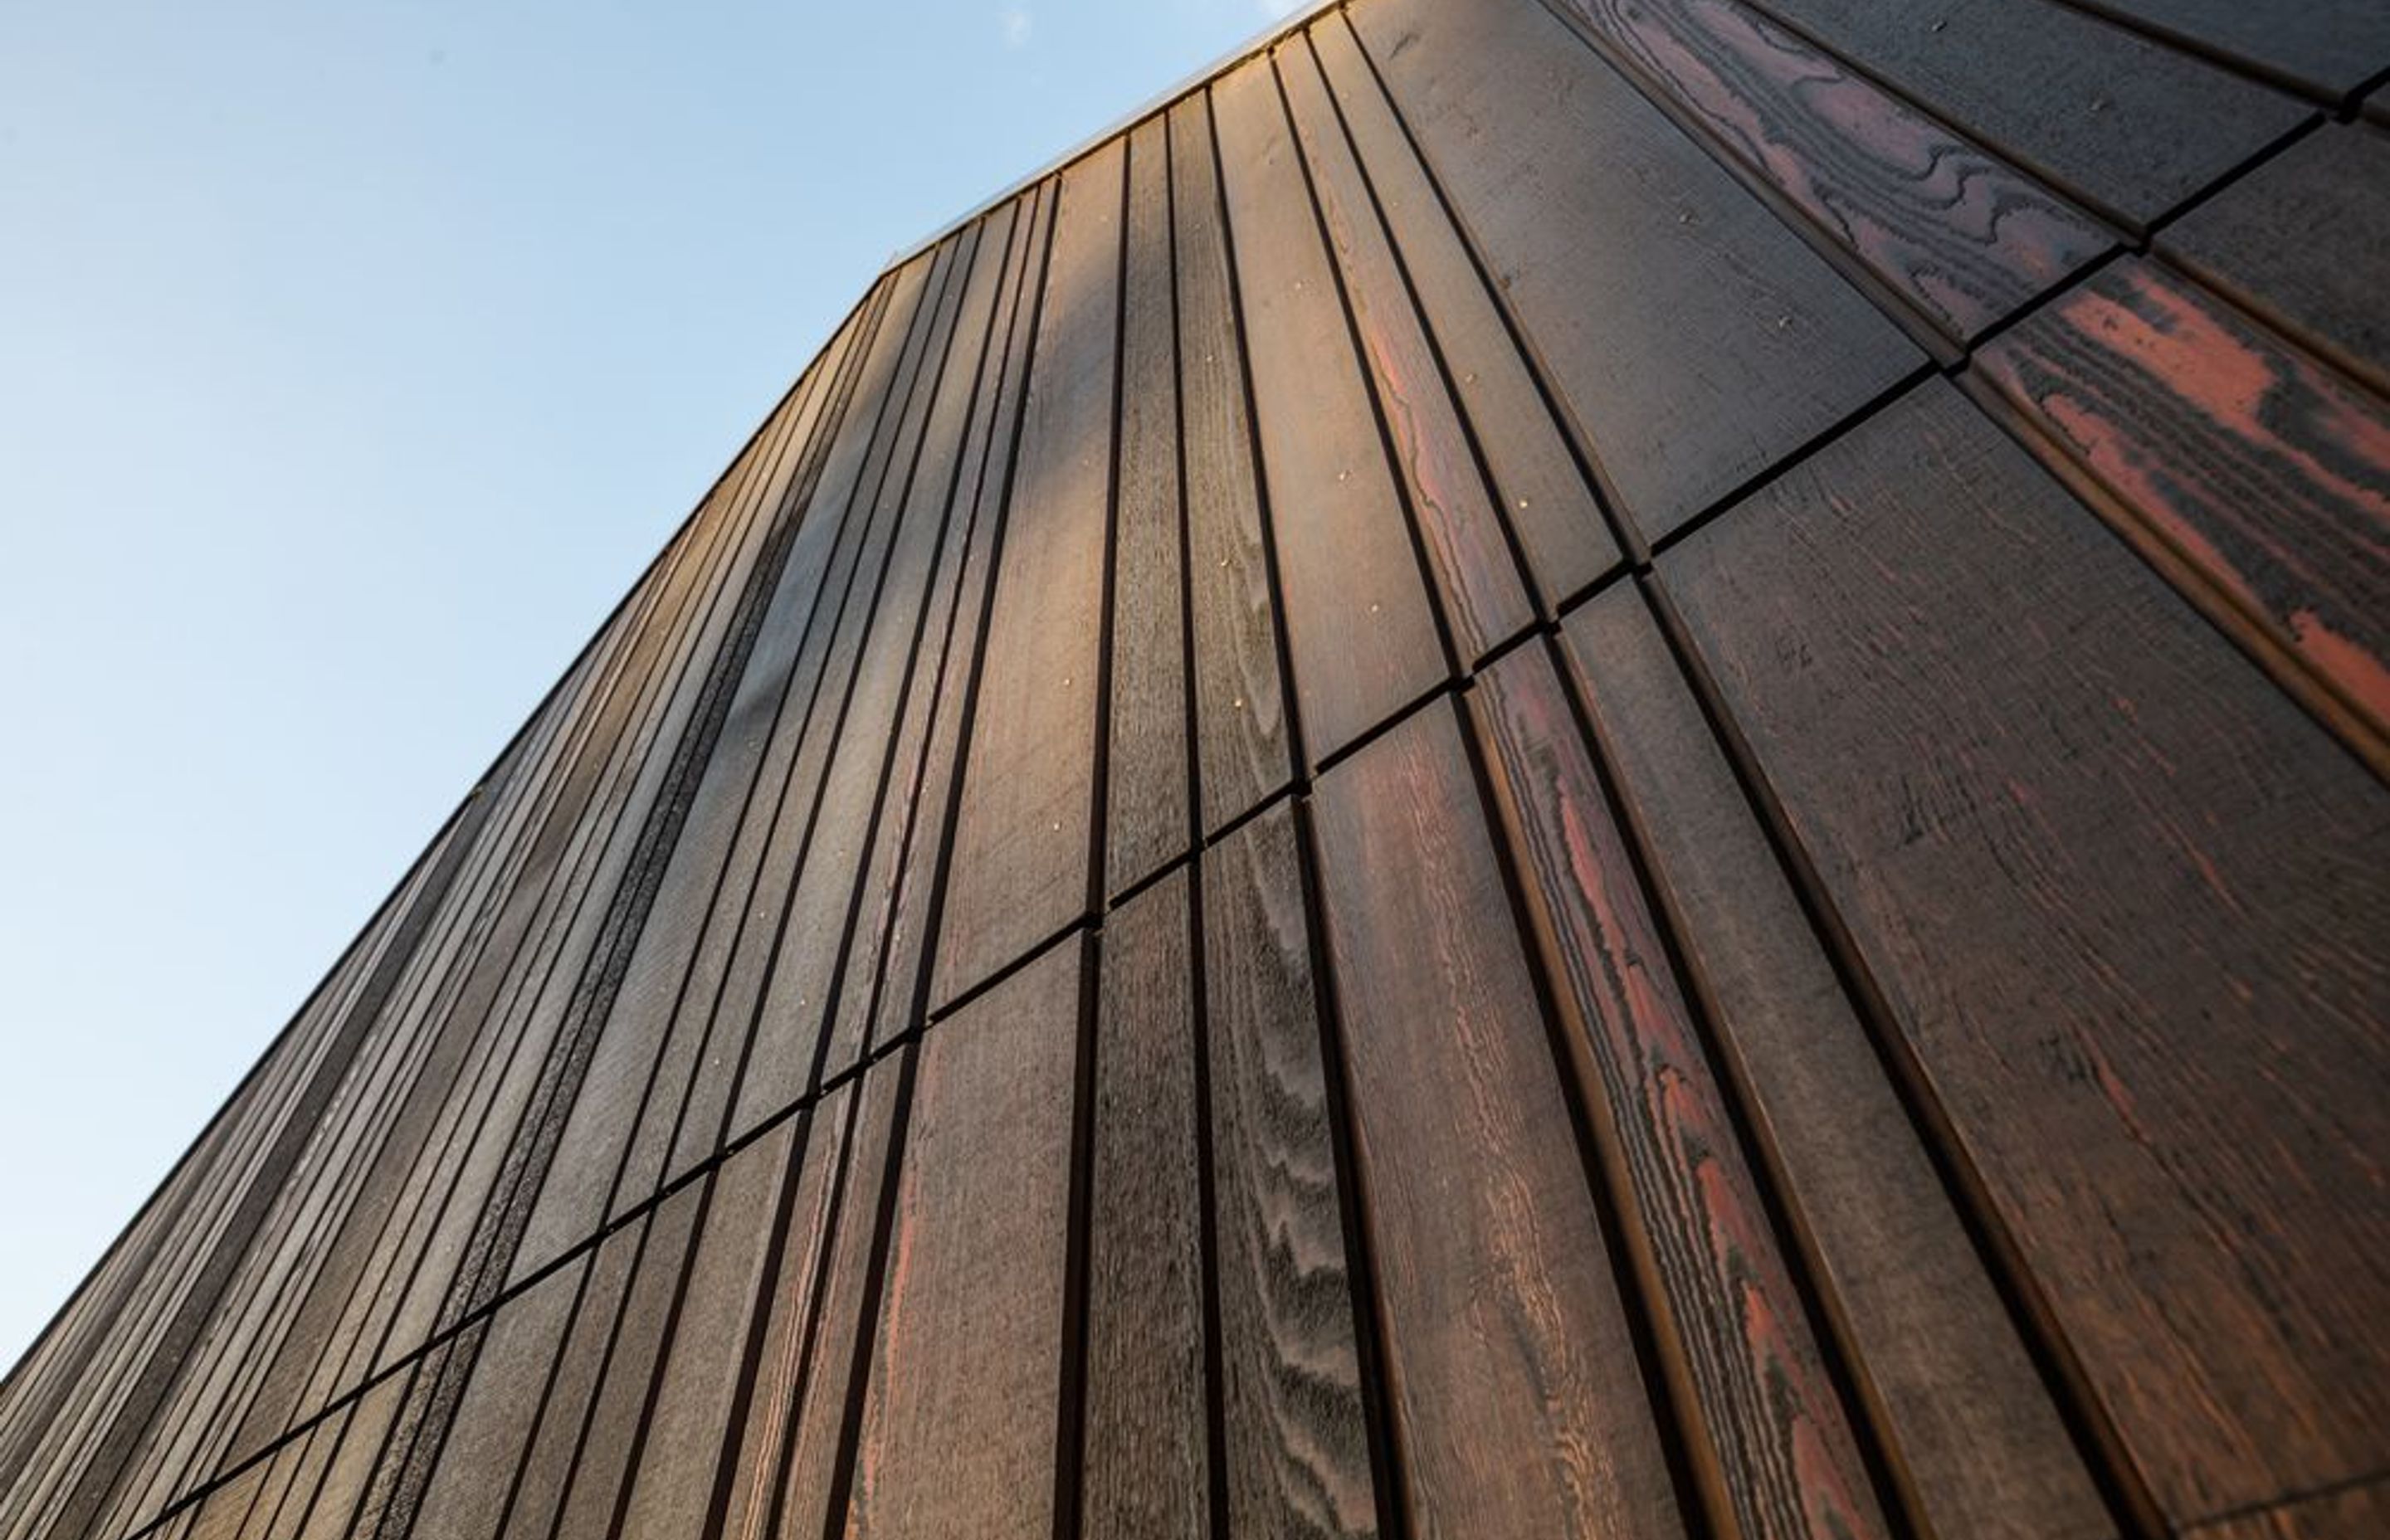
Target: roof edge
(1302, 16)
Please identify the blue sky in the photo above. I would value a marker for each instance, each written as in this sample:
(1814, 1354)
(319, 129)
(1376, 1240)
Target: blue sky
(354, 358)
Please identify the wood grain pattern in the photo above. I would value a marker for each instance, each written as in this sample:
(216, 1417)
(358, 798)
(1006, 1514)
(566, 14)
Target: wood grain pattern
(1503, 1326)
(1148, 1468)
(1944, 225)
(2119, 120)
(669, 1483)
(2298, 241)
(1358, 618)
(1548, 503)
(754, 1446)
(1020, 856)
(1148, 821)
(841, 1330)
(960, 1425)
(1296, 1435)
(616, 1421)
(2121, 897)
(1778, 1435)
(537, 1493)
(475, 1474)
(1451, 504)
(1967, 1423)
(1242, 745)
(2268, 473)
(1695, 340)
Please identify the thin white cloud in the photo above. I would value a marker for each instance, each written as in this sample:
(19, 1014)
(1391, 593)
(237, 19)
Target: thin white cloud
(1016, 26)
(1278, 11)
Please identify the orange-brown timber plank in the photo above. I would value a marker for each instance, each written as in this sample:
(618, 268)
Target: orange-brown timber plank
(1502, 1322)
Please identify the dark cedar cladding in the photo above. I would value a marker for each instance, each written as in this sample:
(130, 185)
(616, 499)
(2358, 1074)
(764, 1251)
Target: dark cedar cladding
(1601, 768)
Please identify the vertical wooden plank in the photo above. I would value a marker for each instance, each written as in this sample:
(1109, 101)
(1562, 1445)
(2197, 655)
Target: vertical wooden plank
(1734, 1323)
(476, 1469)
(1297, 1437)
(1569, 547)
(2122, 899)
(534, 1504)
(1021, 868)
(1503, 1324)
(2242, 454)
(2120, 119)
(1357, 616)
(904, 996)
(843, 1320)
(959, 1426)
(1952, 230)
(1965, 1419)
(681, 1447)
(1452, 506)
(914, 802)
(1148, 823)
(798, 1002)
(1243, 744)
(2327, 48)
(2297, 242)
(756, 1446)
(1695, 338)
(618, 1414)
(1147, 1469)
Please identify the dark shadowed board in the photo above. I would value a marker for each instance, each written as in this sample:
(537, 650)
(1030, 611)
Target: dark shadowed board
(697, 1395)
(1147, 822)
(1963, 1415)
(1778, 1435)
(1696, 339)
(1357, 615)
(2265, 470)
(2325, 48)
(2102, 112)
(1452, 506)
(817, 1416)
(905, 994)
(2300, 240)
(1147, 1467)
(2124, 901)
(1020, 859)
(1241, 745)
(912, 820)
(1503, 1324)
(1545, 495)
(959, 1426)
(1947, 226)
(1296, 1437)
(752, 1443)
